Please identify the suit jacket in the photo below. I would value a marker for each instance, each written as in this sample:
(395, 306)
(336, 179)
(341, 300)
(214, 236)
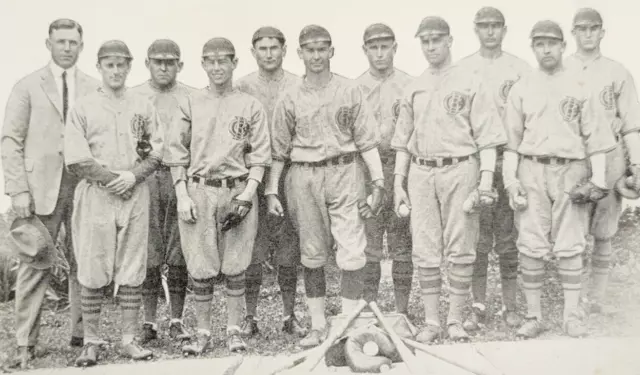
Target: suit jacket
(33, 137)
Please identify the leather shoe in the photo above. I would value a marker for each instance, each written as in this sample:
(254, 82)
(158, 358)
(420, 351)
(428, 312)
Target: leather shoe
(76, 342)
(293, 327)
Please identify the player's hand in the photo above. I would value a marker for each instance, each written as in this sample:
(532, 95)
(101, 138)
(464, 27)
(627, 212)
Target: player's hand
(400, 197)
(274, 207)
(517, 196)
(187, 209)
(126, 195)
(122, 183)
(23, 205)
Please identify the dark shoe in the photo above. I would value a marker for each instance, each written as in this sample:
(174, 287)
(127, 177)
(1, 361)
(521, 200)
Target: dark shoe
(429, 334)
(89, 356)
(512, 319)
(457, 333)
(198, 347)
(136, 352)
(249, 327)
(477, 318)
(313, 338)
(234, 341)
(177, 331)
(76, 342)
(531, 328)
(148, 334)
(293, 327)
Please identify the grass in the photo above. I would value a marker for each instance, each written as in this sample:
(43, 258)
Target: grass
(624, 293)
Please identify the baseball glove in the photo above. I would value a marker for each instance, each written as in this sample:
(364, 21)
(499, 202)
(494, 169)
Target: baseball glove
(238, 209)
(378, 199)
(480, 198)
(357, 360)
(586, 191)
(624, 187)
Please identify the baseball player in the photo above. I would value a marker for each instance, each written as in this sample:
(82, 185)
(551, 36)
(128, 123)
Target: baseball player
(554, 142)
(276, 234)
(112, 142)
(218, 150)
(163, 62)
(382, 85)
(322, 125)
(612, 87)
(499, 70)
(446, 138)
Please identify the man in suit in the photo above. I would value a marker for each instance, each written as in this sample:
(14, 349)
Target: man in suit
(35, 177)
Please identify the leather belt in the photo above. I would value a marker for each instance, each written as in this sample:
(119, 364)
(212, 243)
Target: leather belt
(549, 160)
(338, 160)
(226, 182)
(439, 162)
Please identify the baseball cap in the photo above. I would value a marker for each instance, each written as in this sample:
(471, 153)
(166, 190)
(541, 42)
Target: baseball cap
(164, 49)
(218, 47)
(546, 29)
(313, 34)
(267, 32)
(433, 25)
(587, 16)
(489, 14)
(114, 48)
(378, 31)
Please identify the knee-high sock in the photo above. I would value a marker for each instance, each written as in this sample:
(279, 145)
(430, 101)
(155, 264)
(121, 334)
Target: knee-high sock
(287, 280)
(352, 288)
(479, 279)
(315, 290)
(372, 275)
(75, 302)
(235, 289)
(459, 287)
(203, 291)
(91, 307)
(532, 278)
(178, 279)
(431, 286)
(570, 271)
(253, 281)
(509, 276)
(402, 275)
(600, 266)
(150, 290)
(130, 301)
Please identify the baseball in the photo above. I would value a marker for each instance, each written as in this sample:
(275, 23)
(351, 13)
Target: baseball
(384, 368)
(403, 210)
(370, 348)
(369, 199)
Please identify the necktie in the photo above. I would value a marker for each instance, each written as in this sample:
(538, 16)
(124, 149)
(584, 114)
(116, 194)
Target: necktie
(65, 96)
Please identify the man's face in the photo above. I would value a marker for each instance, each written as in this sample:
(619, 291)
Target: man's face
(114, 71)
(490, 34)
(219, 68)
(548, 51)
(380, 53)
(588, 37)
(164, 72)
(316, 56)
(65, 46)
(269, 53)
(436, 48)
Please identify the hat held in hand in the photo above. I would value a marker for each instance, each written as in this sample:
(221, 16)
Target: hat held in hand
(31, 242)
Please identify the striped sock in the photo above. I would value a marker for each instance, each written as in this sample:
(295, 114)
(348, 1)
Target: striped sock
(600, 265)
(130, 297)
(372, 274)
(203, 293)
(253, 281)
(402, 274)
(288, 280)
(509, 276)
(570, 271)
(460, 276)
(91, 306)
(234, 291)
(532, 278)
(178, 279)
(431, 286)
(150, 289)
(479, 279)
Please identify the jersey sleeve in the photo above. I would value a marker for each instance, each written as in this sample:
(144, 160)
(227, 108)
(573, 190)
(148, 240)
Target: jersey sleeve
(282, 127)
(76, 145)
(513, 118)
(176, 150)
(260, 154)
(597, 138)
(486, 124)
(365, 128)
(628, 105)
(404, 123)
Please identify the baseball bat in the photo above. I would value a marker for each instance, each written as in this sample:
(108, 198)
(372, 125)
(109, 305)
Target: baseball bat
(231, 370)
(407, 357)
(476, 370)
(316, 356)
(292, 361)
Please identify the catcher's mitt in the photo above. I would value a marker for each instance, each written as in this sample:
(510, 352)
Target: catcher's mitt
(480, 198)
(238, 209)
(586, 191)
(624, 187)
(378, 199)
(358, 361)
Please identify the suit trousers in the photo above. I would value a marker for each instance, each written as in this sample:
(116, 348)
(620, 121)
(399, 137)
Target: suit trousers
(32, 284)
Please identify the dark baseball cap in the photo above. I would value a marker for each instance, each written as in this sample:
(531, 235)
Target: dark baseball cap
(587, 17)
(489, 14)
(217, 47)
(433, 25)
(313, 34)
(547, 29)
(114, 48)
(378, 31)
(164, 49)
(267, 32)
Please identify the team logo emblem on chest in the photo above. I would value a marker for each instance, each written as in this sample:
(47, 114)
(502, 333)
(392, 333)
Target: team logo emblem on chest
(240, 128)
(395, 109)
(504, 89)
(140, 127)
(570, 108)
(346, 116)
(608, 97)
(455, 102)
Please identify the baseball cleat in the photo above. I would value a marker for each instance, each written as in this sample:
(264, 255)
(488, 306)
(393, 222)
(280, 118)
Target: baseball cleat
(293, 327)
(429, 334)
(89, 356)
(136, 352)
(148, 333)
(249, 327)
(198, 347)
(477, 318)
(531, 328)
(314, 338)
(457, 333)
(177, 331)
